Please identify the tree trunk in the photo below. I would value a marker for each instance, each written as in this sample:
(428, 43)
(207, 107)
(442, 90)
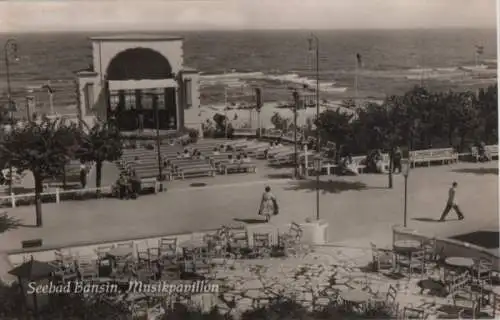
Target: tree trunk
(462, 141)
(98, 176)
(390, 169)
(64, 178)
(38, 199)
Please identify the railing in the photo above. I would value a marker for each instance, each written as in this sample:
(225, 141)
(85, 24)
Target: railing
(56, 194)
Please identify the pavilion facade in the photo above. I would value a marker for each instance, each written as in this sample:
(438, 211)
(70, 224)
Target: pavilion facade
(138, 81)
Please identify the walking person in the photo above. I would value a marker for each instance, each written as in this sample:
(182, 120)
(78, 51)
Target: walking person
(268, 204)
(452, 204)
(396, 160)
(83, 175)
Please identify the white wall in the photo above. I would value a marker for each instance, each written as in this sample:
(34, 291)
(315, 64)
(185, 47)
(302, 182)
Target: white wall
(105, 51)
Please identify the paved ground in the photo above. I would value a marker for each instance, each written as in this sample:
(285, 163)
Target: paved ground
(359, 209)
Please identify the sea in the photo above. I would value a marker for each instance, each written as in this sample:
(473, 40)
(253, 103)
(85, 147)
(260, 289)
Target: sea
(232, 62)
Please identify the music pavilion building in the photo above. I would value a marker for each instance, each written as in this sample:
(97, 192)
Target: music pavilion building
(134, 78)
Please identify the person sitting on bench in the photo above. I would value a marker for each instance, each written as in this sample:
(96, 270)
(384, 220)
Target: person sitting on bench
(483, 154)
(135, 185)
(245, 159)
(186, 154)
(216, 152)
(230, 158)
(348, 166)
(179, 155)
(122, 185)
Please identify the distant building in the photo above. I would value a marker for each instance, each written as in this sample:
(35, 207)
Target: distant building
(133, 75)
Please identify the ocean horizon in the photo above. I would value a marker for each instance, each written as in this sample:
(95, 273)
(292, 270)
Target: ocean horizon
(393, 61)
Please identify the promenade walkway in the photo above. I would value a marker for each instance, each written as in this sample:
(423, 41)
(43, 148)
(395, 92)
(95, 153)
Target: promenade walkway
(359, 209)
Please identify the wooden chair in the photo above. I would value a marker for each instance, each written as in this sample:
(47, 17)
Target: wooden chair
(238, 239)
(381, 259)
(167, 248)
(102, 251)
(292, 238)
(390, 301)
(413, 313)
(459, 287)
(262, 244)
(64, 259)
(65, 265)
(87, 268)
(481, 271)
(495, 304)
(143, 255)
(129, 244)
(415, 262)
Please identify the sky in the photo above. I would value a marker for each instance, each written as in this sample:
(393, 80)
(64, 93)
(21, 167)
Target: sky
(116, 15)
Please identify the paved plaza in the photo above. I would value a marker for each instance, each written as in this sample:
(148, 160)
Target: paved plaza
(358, 209)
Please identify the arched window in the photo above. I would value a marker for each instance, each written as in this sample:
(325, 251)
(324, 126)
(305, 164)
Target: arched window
(130, 101)
(114, 101)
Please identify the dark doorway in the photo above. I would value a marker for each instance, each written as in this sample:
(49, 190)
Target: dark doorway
(136, 109)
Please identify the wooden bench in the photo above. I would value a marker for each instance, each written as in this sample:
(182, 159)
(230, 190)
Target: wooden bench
(273, 134)
(196, 171)
(492, 150)
(244, 133)
(150, 182)
(238, 167)
(360, 162)
(286, 157)
(290, 137)
(154, 172)
(446, 155)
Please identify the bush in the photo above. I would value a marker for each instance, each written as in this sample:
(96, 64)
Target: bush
(193, 135)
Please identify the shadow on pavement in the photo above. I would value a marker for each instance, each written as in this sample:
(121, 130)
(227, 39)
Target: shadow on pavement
(283, 175)
(426, 219)
(330, 186)
(480, 171)
(8, 223)
(485, 239)
(250, 221)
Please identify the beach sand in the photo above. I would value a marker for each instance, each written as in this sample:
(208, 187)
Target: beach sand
(245, 117)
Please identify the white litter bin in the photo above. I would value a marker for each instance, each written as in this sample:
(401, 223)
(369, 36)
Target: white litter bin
(314, 232)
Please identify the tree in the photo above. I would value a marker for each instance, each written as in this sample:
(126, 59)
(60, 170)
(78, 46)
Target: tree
(487, 103)
(42, 148)
(99, 143)
(220, 121)
(335, 125)
(276, 120)
(280, 123)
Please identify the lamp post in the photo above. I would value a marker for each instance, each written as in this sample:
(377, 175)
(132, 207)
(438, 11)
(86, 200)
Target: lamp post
(156, 108)
(405, 166)
(314, 44)
(317, 168)
(296, 99)
(10, 47)
(314, 39)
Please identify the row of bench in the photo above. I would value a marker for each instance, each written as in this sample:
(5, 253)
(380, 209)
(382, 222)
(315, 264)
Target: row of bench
(492, 150)
(148, 163)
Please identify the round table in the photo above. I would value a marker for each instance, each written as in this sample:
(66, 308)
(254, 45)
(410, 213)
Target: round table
(193, 244)
(120, 252)
(460, 262)
(355, 296)
(407, 246)
(434, 286)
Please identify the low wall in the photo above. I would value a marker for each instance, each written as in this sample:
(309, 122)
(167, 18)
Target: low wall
(449, 247)
(47, 254)
(88, 249)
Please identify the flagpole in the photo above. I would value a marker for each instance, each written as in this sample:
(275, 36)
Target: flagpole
(225, 106)
(356, 82)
